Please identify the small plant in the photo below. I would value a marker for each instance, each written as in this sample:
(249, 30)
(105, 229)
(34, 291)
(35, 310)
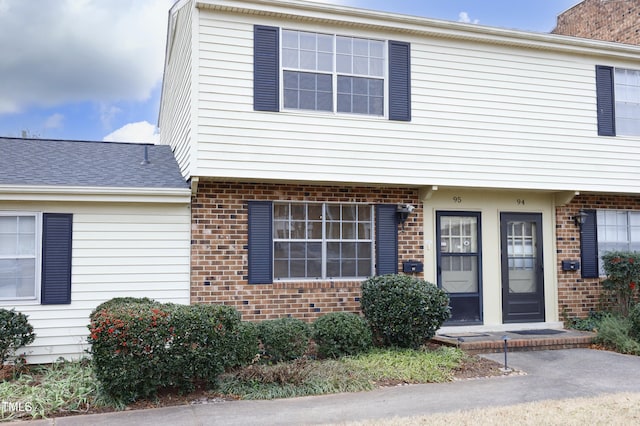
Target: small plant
(15, 332)
(634, 322)
(284, 339)
(591, 323)
(623, 276)
(341, 333)
(403, 311)
(615, 333)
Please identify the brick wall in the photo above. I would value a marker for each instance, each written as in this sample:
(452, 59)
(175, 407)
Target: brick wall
(577, 296)
(609, 20)
(219, 249)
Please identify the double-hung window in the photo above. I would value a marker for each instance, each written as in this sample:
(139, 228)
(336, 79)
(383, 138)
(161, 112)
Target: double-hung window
(19, 247)
(323, 72)
(317, 240)
(302, 70)
(618, 230)
(618, 101)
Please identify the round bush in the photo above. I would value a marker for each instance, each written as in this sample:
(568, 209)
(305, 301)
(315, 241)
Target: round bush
(402, 310)
(15, 332)
(284, 339)
(341, 333)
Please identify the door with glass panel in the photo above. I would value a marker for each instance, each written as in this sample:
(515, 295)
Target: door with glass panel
(522, 267)
(459, 259)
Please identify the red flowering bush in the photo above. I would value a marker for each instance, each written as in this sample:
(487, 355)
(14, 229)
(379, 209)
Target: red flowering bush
(140, 346)
(623, 275)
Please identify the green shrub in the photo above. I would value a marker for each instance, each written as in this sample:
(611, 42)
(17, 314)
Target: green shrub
(15, 332)
(341, 333)
(402, 310)
(590, 323)
(634, 322)
(118, 301)
(138, 348)
(615, 333)
(623, 276)
(284, 339)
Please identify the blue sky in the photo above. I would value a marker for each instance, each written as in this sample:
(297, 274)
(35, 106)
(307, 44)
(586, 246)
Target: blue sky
(92, 69)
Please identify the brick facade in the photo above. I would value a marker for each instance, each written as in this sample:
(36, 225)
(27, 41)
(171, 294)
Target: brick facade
(577, 296)
(219, 249)
(609, 20)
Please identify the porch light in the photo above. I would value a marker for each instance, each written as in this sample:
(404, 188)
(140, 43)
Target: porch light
(403, 211)
(581, 218)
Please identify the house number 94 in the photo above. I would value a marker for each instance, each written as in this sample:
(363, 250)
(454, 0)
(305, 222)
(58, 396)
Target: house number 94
(520, 202)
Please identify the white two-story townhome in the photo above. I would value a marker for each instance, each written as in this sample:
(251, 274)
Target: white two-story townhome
(326, 144)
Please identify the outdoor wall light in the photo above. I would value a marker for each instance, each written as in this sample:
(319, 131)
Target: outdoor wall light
(403, 211)
(581, 218)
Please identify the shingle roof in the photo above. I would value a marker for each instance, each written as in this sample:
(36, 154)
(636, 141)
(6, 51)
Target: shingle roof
(87, 164)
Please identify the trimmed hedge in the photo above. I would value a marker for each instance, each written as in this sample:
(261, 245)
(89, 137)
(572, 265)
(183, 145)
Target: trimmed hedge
(340, 334)
(403, 311)
(284, 339)
(139, 346)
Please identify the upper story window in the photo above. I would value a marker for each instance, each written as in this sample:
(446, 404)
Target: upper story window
(618, 101)
(19, 236)
(300, 70)
(627, 95)
(324, 72)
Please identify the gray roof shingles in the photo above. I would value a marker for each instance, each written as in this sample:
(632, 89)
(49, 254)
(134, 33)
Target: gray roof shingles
(42, 162)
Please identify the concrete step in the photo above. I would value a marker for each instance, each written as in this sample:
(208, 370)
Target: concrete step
(525, 340)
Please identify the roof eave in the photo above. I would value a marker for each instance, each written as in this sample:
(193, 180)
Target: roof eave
(344, 15)
(94, 194)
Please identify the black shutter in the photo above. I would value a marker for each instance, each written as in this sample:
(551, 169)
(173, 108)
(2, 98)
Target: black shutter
(266, 65)
(605, 101)
(260, 242)
(56, 258)
(589, 246)
(386, 239)
(399, 81)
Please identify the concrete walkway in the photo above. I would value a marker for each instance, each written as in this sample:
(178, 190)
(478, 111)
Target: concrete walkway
(549, 375)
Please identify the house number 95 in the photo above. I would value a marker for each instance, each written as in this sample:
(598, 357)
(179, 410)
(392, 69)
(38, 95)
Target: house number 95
(457, 200)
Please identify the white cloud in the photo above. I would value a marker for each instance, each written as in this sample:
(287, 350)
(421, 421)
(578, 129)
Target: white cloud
(464, 17)
(80, 50)
(107, 114)
(54, 121)
(142, 131)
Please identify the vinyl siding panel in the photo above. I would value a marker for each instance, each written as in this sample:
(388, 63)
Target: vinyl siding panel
(118, 250)
(483, 115)
(175, 119)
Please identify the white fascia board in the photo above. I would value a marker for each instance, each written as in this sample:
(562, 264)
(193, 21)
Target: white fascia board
(363, 18)
(94, 194)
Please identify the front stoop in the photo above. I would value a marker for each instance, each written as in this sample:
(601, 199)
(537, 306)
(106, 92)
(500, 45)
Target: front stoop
(491, 342)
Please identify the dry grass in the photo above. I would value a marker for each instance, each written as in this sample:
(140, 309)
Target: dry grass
(615, 409)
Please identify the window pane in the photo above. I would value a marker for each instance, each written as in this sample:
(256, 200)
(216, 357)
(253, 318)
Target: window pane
(307, 41)
(348, 250)
(290, 58)
(325, 43)
(289, 38)
(376, 49)
(360, 47)
(343, 64)
(349, 230)
(361, 65)
(343, 45)
(308, 60)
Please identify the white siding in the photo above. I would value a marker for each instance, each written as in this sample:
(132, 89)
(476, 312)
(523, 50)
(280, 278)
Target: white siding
(137, 250)
(175, 113)
(484, 115)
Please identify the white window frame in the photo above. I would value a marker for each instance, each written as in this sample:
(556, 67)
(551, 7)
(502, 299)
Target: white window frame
(335, 74)
(325, 240)
(35, 299)
(627, 99)
(605, 229)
